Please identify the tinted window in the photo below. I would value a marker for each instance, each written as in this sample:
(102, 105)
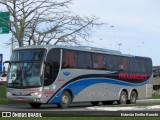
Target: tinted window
(52, 68)
(125, 63)
(84, 60)
(112, 62)
(108, 62)
(98, 61)
(136, 65)
(148, 66)
(131, 65)
(26, 55)
(140, 65)
(69, 59)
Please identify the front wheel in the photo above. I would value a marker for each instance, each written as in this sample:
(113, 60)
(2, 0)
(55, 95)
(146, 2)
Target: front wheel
(35, 105)
(65, 100)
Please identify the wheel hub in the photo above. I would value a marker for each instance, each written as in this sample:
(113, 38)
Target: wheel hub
(133, 97)
(123, 98)
(65, 99)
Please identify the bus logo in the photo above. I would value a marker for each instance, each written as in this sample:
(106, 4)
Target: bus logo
(66, 73)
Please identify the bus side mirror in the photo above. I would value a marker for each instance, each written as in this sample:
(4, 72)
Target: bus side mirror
(6, 62)
(120, 67)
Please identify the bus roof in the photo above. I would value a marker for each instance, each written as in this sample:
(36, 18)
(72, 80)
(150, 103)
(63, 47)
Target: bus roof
(79, 48)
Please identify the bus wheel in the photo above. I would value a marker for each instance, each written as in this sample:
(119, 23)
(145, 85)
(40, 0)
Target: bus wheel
(94, 103)
(65, 100)
(123, 98)
(133, 97)
(107, 102)
(35, 105)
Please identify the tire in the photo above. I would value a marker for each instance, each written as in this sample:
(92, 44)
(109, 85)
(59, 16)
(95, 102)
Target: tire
(123, 98)
(35, 105)
(65, 100)
(107, 102)
(133, 97)
(95, 103)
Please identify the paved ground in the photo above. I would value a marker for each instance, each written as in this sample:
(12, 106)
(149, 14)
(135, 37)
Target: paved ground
(86, 109)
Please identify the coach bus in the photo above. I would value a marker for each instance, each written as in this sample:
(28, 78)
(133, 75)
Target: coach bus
(63, 75)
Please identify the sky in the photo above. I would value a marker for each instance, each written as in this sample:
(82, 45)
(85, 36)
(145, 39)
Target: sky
(135, 24)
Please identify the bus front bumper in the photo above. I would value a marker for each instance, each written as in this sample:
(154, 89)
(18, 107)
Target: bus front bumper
(25, 99)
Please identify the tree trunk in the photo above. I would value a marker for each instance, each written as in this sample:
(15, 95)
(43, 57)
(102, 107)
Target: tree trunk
(20, 43)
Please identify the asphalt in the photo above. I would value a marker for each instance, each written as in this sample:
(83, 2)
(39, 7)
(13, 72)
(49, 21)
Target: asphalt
(86, 109)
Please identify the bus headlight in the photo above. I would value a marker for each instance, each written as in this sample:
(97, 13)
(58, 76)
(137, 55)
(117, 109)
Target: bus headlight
(9, 94)
(36, 93)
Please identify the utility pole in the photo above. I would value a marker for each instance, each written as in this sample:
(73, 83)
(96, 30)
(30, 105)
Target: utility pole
(119, 45)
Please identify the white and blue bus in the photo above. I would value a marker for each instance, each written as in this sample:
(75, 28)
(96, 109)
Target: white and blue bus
(63, 75)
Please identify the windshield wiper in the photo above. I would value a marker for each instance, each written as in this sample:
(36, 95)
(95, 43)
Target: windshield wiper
(28, 68)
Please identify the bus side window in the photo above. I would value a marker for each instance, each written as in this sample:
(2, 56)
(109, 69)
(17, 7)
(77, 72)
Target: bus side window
(114, 63)
(84, 60)
(98, 61)
(48, 74)
(52, 67)
(148, 66)
(108, 62)
(125, 63)
(104, 62)
(95, 61)
(142, 66)
(69, 59)
(131, 65)
(136, 65)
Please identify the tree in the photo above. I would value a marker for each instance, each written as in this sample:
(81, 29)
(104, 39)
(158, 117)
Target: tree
(47, 21)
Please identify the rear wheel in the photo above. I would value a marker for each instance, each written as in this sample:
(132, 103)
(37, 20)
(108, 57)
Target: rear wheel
(123, 98)
(94, 103)
(107, 102)
(133, 97)
(65, 100)
(35, 105)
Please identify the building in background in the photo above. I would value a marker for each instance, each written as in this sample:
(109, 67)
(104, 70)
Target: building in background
(156, 79)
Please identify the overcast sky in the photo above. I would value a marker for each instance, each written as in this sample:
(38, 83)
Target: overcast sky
(136, 26)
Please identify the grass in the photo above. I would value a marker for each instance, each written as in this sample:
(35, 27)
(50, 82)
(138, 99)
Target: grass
(155, 97)
(3, 99)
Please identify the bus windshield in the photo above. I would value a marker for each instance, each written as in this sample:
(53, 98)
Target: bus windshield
(26, 69)
(28, 55)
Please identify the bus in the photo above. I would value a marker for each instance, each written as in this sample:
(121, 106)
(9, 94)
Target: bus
(63, 75)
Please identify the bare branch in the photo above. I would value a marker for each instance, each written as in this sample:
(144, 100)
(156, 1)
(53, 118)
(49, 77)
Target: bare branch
(47, 21)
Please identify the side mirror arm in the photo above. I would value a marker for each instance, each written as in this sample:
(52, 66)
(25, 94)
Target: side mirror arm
(6, 62)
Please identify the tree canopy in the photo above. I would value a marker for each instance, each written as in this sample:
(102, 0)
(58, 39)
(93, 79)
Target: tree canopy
(47, 22)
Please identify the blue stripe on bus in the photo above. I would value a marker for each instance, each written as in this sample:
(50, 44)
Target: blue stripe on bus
(80, 85)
